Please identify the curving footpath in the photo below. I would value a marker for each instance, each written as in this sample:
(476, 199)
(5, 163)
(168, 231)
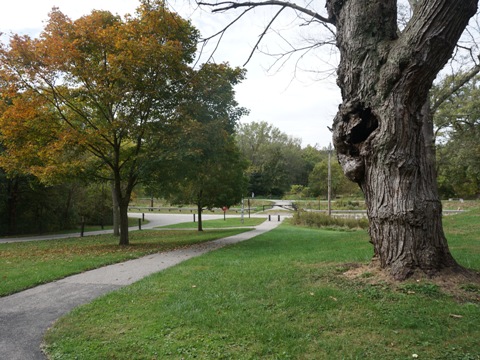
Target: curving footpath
(25, 316)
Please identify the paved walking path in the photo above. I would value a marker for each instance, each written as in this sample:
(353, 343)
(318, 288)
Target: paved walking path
(25, 316)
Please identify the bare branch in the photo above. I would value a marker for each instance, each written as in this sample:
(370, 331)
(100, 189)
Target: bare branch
(303, 15)
(263, 34)
(229, 5)
(458, 84)
(220, 35)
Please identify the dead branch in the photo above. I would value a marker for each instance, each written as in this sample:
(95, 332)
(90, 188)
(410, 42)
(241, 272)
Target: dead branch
(224, 6)
(229, 5)
(452, 90)
(263, 34)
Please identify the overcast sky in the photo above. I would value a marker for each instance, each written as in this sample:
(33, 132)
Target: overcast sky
(300, 103)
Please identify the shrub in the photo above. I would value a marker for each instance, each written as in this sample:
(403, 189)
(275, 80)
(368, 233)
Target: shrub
(320, 220)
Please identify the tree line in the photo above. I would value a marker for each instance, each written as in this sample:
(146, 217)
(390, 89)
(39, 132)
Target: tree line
(278, 165)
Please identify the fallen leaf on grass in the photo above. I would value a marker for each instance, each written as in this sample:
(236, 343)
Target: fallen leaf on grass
(455, 316)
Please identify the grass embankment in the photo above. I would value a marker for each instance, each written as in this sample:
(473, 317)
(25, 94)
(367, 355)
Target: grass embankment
(282, 295)
(27, 264)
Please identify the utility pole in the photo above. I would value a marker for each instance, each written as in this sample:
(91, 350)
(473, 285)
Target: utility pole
(329, 196)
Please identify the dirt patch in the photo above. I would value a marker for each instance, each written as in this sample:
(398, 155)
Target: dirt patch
(463, 285)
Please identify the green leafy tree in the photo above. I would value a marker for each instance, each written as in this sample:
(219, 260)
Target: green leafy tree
(206, 169)
(275, 159)
(318, 180)
(311, 156)
(457, 121)
(213, 175)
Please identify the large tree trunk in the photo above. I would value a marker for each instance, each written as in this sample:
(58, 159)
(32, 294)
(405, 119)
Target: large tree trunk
(382, 131)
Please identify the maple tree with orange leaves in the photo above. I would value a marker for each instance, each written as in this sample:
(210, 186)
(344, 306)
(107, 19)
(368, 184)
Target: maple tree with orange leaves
(102, 85)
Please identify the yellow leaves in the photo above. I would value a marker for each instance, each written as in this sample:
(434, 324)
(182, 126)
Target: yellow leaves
(101, 83)
(34, 141)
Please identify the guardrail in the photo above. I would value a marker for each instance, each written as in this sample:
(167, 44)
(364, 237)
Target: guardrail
(194, 210)
(178, 209)
(364, 212)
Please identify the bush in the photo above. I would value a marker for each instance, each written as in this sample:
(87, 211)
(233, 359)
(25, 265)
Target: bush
(350, 204)
(320, 220)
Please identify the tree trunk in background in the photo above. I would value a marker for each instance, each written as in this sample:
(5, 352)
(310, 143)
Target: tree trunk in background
(116, 213)
(199, 209)
(123, 193)
(124, 238)
(382, 131)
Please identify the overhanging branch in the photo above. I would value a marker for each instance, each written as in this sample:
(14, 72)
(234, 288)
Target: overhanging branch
(229, 5)
(263, 34)
(452, 90)
(224, 6)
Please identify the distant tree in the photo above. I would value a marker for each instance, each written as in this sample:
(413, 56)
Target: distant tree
(212, 175)
(457, 121)
(10, 191)
(318, 179)
(30, 207)
(206, 169)
(113, 84)
(311, 156)
(275, 159)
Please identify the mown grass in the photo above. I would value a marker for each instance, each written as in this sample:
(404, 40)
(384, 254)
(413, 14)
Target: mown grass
(218, 223)
(463, 232)
(281, 295)
(27, 264)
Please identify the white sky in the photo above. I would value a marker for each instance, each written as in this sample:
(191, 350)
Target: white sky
(301, 106)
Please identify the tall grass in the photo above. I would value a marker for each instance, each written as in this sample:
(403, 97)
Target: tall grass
(321, 220)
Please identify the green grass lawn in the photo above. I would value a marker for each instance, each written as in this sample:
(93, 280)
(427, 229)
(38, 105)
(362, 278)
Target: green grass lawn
(27, 264)
(218, 223)
(282, 295)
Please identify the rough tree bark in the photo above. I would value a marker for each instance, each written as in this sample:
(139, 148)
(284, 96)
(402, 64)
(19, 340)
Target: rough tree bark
(123, 191)
(115, 212)
(383, 129)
